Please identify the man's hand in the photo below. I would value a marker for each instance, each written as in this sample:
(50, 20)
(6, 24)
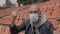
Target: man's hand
(13, 13)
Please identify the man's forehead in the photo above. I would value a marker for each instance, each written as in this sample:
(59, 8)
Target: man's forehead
(34, 7)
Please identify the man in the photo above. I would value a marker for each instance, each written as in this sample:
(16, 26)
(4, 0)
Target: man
(36, 24)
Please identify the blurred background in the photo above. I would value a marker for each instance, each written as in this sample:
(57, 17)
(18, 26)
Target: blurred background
(16, 11)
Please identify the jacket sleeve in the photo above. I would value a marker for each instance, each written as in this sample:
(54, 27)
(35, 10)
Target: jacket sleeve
(21, 27)
(17, 29)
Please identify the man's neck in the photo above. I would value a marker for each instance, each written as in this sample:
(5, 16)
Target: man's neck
(36, 23)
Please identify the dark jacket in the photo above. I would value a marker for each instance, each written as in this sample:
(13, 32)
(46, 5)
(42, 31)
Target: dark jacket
(46, 28)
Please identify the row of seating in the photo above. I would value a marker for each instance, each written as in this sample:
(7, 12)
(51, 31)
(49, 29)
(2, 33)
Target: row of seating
(49, 8)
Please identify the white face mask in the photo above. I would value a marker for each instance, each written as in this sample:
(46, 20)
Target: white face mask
(33, 17)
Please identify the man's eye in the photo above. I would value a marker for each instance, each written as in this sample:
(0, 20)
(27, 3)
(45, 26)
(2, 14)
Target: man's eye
(31, 12)
(35, 11)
